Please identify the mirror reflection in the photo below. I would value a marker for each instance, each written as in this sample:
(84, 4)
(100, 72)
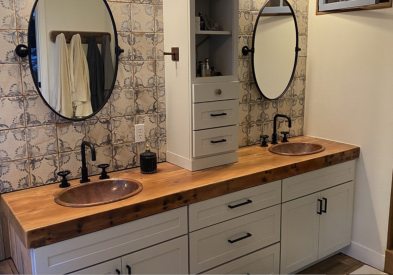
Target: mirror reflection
(275, 43)
(73, 57)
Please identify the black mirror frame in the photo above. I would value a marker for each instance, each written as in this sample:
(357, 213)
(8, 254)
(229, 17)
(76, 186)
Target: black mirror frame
(246, 51)
(118, 51)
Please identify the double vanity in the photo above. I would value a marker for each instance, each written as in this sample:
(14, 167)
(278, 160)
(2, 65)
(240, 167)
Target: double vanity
(266, 214)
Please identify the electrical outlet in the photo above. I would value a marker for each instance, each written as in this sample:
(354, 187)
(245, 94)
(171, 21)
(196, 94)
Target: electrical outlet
(140, 133)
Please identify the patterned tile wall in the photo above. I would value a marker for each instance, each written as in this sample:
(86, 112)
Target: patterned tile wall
(256, 113)
(35, 144)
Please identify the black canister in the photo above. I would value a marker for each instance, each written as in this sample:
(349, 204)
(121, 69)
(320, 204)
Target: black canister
(148, 161)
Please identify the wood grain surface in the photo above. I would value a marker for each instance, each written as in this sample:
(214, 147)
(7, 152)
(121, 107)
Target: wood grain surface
(39, 221)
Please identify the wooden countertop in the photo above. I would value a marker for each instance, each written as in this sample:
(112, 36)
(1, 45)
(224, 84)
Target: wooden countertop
(39, 221)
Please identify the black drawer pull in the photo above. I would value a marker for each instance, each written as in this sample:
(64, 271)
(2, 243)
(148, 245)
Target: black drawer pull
(214, 115)
(118, 272)
(129, 269)
(241, 204)
(218, 141)
(320, 207)
(325, 210)
(240, 239)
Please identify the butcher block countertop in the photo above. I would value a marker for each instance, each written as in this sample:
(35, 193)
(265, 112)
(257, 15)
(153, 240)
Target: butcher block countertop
(39, 221)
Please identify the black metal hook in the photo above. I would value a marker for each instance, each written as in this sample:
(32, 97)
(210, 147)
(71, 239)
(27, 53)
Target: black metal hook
(22, 50)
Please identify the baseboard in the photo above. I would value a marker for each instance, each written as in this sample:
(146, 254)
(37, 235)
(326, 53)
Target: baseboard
(365, 255)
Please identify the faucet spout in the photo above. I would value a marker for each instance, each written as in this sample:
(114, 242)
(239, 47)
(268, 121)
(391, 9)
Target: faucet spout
(85, 174)
(274, 136)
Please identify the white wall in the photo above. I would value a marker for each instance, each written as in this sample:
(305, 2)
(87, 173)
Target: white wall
(350, 99)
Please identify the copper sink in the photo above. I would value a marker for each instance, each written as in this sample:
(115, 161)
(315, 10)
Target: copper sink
(98, 193)
(296, 149)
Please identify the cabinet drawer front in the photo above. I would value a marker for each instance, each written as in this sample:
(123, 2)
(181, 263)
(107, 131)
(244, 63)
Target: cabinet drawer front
(97, 247)
(215, 114)
(265, 261)
(109, 267)
(318, 180)
(229, 240)
(215, 91)
(215, 141)
(206, 213)
(167, 258)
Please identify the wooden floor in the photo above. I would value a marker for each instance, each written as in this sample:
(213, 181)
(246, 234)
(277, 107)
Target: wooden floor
(338, 264)
(8, 267)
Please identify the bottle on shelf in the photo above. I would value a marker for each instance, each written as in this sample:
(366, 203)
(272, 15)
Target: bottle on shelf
(203, 23)
(212, 72)
(200, 69)
(207, 68)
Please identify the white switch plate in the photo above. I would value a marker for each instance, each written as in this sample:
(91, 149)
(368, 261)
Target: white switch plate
(140, 133)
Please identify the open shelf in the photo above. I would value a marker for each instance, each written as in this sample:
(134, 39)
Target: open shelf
(214, 32)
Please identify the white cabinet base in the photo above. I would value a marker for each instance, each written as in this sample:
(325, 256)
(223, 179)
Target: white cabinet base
(204, 163)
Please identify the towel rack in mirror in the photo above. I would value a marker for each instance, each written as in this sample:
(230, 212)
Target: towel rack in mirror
(84, 36)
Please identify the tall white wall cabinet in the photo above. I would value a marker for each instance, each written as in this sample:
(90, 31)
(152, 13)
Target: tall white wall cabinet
(202, 112)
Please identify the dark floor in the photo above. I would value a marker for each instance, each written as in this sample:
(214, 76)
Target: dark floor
(8, 267)
(338, 264)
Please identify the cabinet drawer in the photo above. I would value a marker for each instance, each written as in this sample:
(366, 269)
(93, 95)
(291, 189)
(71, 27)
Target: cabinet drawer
(318, 180)
(265, 261)
(229, 240)
(215, 141)
(97, 247)
(215, 114)
(206, 213)
(215, 91)
(167, 258)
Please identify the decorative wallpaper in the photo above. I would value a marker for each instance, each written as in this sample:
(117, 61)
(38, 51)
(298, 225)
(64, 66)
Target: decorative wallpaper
(35, 144)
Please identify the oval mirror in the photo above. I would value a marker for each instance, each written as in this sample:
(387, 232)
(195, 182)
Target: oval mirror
(275, 48)
(73, 52)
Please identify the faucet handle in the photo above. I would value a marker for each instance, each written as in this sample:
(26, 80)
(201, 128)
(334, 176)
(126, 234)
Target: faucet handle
(285, 137)
(64, 182)
(264, 140)
(104, 174)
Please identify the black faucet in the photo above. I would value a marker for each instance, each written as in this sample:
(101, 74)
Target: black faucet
(85, 174)
(274, 137)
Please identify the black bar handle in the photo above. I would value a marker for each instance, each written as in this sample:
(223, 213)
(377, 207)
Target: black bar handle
(241, 204)
(214, 115)
(219, 141)
(325, 210)
(240, 239)
(320, 207)
(129, 269)
(118, 272)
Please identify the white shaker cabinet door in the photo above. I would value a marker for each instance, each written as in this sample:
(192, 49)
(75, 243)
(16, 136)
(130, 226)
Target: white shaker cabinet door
(300, 232)
(166, 258)
(110, 267)
(336, 221)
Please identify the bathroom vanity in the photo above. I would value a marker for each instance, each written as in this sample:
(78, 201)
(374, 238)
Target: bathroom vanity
(266, 214)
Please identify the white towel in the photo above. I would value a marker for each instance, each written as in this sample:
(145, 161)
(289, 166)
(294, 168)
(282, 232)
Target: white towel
(79, 75)
(60, 97)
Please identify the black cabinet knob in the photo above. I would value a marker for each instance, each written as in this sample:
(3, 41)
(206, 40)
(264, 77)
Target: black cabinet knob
(104, 174)
(64, 182)
(264, 140)
(285, 137)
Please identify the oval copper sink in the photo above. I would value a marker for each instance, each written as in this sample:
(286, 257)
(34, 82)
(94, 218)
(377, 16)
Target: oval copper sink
(296, 149)
(98, 193)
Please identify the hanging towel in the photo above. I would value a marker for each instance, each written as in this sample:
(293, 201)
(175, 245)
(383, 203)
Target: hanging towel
(60, 95)
(109, 72)
(79, 78)
(96, 72)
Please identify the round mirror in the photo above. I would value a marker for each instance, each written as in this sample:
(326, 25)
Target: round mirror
(73, 52)
(275, 48)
